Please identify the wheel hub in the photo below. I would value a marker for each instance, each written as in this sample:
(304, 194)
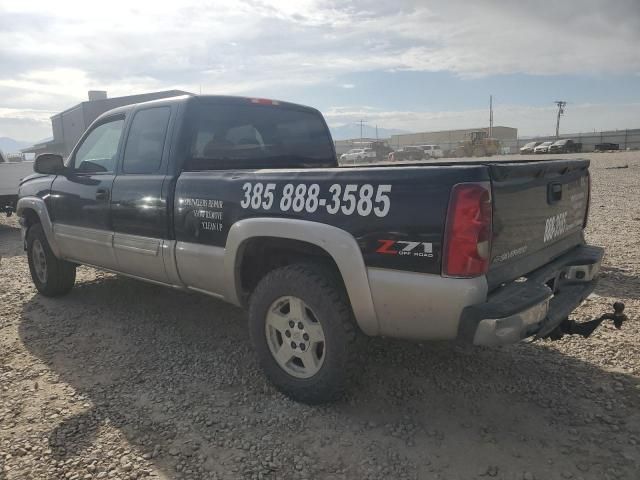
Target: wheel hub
(295, 337)
(39, 261)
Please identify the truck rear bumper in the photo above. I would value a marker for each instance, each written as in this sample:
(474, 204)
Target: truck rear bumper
(535, 304)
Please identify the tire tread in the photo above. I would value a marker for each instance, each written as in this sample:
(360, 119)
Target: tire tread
(61, 274)
(323, 281)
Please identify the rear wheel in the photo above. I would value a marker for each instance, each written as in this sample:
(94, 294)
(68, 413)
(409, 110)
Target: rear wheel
(303, 332)
(52, 277)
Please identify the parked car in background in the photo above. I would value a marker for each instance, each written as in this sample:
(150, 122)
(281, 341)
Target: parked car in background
(407, 153)
(528, 148)
(543, 147)
(603, 147)
(566, 145)
(357, 154)
(432, 151)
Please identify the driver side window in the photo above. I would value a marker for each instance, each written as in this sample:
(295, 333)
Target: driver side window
(97, 153)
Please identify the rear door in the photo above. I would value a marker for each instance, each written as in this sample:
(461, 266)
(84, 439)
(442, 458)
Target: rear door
(539, 210)
(80, 198)
(139, 210)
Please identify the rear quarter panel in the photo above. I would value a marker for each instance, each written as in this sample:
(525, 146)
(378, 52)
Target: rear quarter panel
(407, 237)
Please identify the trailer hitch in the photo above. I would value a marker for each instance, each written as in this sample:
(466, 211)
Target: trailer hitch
(571, 327)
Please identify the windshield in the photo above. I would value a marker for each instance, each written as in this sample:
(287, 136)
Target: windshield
(242, 136)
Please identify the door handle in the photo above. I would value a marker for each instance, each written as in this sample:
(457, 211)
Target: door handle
(102, 194)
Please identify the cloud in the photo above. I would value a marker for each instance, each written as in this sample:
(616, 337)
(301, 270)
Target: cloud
(221, 43)
(348, 85)
(26, 125)
(53, 52)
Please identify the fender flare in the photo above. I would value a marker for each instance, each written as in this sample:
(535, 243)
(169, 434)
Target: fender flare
(339, 244)
(37, 205)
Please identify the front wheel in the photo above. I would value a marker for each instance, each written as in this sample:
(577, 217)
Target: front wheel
(303, 332)
(52, 277)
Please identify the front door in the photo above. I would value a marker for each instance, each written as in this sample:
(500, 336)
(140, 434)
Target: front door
(81, 210)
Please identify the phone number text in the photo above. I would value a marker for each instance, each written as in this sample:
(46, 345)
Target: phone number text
(350, 199)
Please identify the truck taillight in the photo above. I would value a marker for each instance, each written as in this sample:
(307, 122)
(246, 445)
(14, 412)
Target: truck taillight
(467, 240)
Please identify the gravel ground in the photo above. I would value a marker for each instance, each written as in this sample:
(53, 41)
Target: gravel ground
(124, 380)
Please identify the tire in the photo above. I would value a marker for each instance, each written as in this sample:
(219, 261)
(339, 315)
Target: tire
(324, 306)
(52, 277)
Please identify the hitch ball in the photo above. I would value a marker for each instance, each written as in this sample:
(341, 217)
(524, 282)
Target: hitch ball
(618, 315)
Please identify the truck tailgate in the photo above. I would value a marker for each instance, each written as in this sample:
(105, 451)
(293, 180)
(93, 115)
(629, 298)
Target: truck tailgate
(539, 211)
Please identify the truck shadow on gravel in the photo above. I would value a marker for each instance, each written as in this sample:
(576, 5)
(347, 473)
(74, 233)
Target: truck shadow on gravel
(174, 374)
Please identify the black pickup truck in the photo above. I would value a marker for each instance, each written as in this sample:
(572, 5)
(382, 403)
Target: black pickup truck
(242, 199)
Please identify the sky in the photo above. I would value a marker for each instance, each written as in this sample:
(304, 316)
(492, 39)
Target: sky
(403, 64)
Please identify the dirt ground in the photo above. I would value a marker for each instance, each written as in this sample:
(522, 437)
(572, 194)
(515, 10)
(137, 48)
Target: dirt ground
(124, 380)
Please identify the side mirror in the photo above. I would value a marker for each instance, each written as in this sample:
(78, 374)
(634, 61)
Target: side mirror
(49, 164)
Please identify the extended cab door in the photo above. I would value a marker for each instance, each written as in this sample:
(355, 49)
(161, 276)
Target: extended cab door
(139, 212)
(80, 198)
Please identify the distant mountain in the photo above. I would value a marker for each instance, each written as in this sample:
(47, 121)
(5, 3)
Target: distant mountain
(9, 145)
(346, 132)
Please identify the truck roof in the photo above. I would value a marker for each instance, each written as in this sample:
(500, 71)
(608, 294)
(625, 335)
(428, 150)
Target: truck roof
(211, 99)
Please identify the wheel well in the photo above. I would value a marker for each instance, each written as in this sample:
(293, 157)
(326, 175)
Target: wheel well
(260, 255)
(30, 218)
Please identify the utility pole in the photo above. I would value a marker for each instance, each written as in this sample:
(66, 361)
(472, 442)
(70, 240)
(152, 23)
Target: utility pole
(376, 132)
(490, 116)
(361, 122)
(561, 104)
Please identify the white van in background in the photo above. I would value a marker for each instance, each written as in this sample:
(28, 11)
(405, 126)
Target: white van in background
(432, 151)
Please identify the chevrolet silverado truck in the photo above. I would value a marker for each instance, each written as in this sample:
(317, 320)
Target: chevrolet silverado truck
(242, 199)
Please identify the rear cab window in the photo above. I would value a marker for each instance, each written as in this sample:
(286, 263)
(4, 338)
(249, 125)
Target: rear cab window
(247, 135)
(145, 142)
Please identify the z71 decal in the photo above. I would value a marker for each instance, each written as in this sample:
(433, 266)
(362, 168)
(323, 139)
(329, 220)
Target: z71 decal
(352, 199)
(401, 247)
